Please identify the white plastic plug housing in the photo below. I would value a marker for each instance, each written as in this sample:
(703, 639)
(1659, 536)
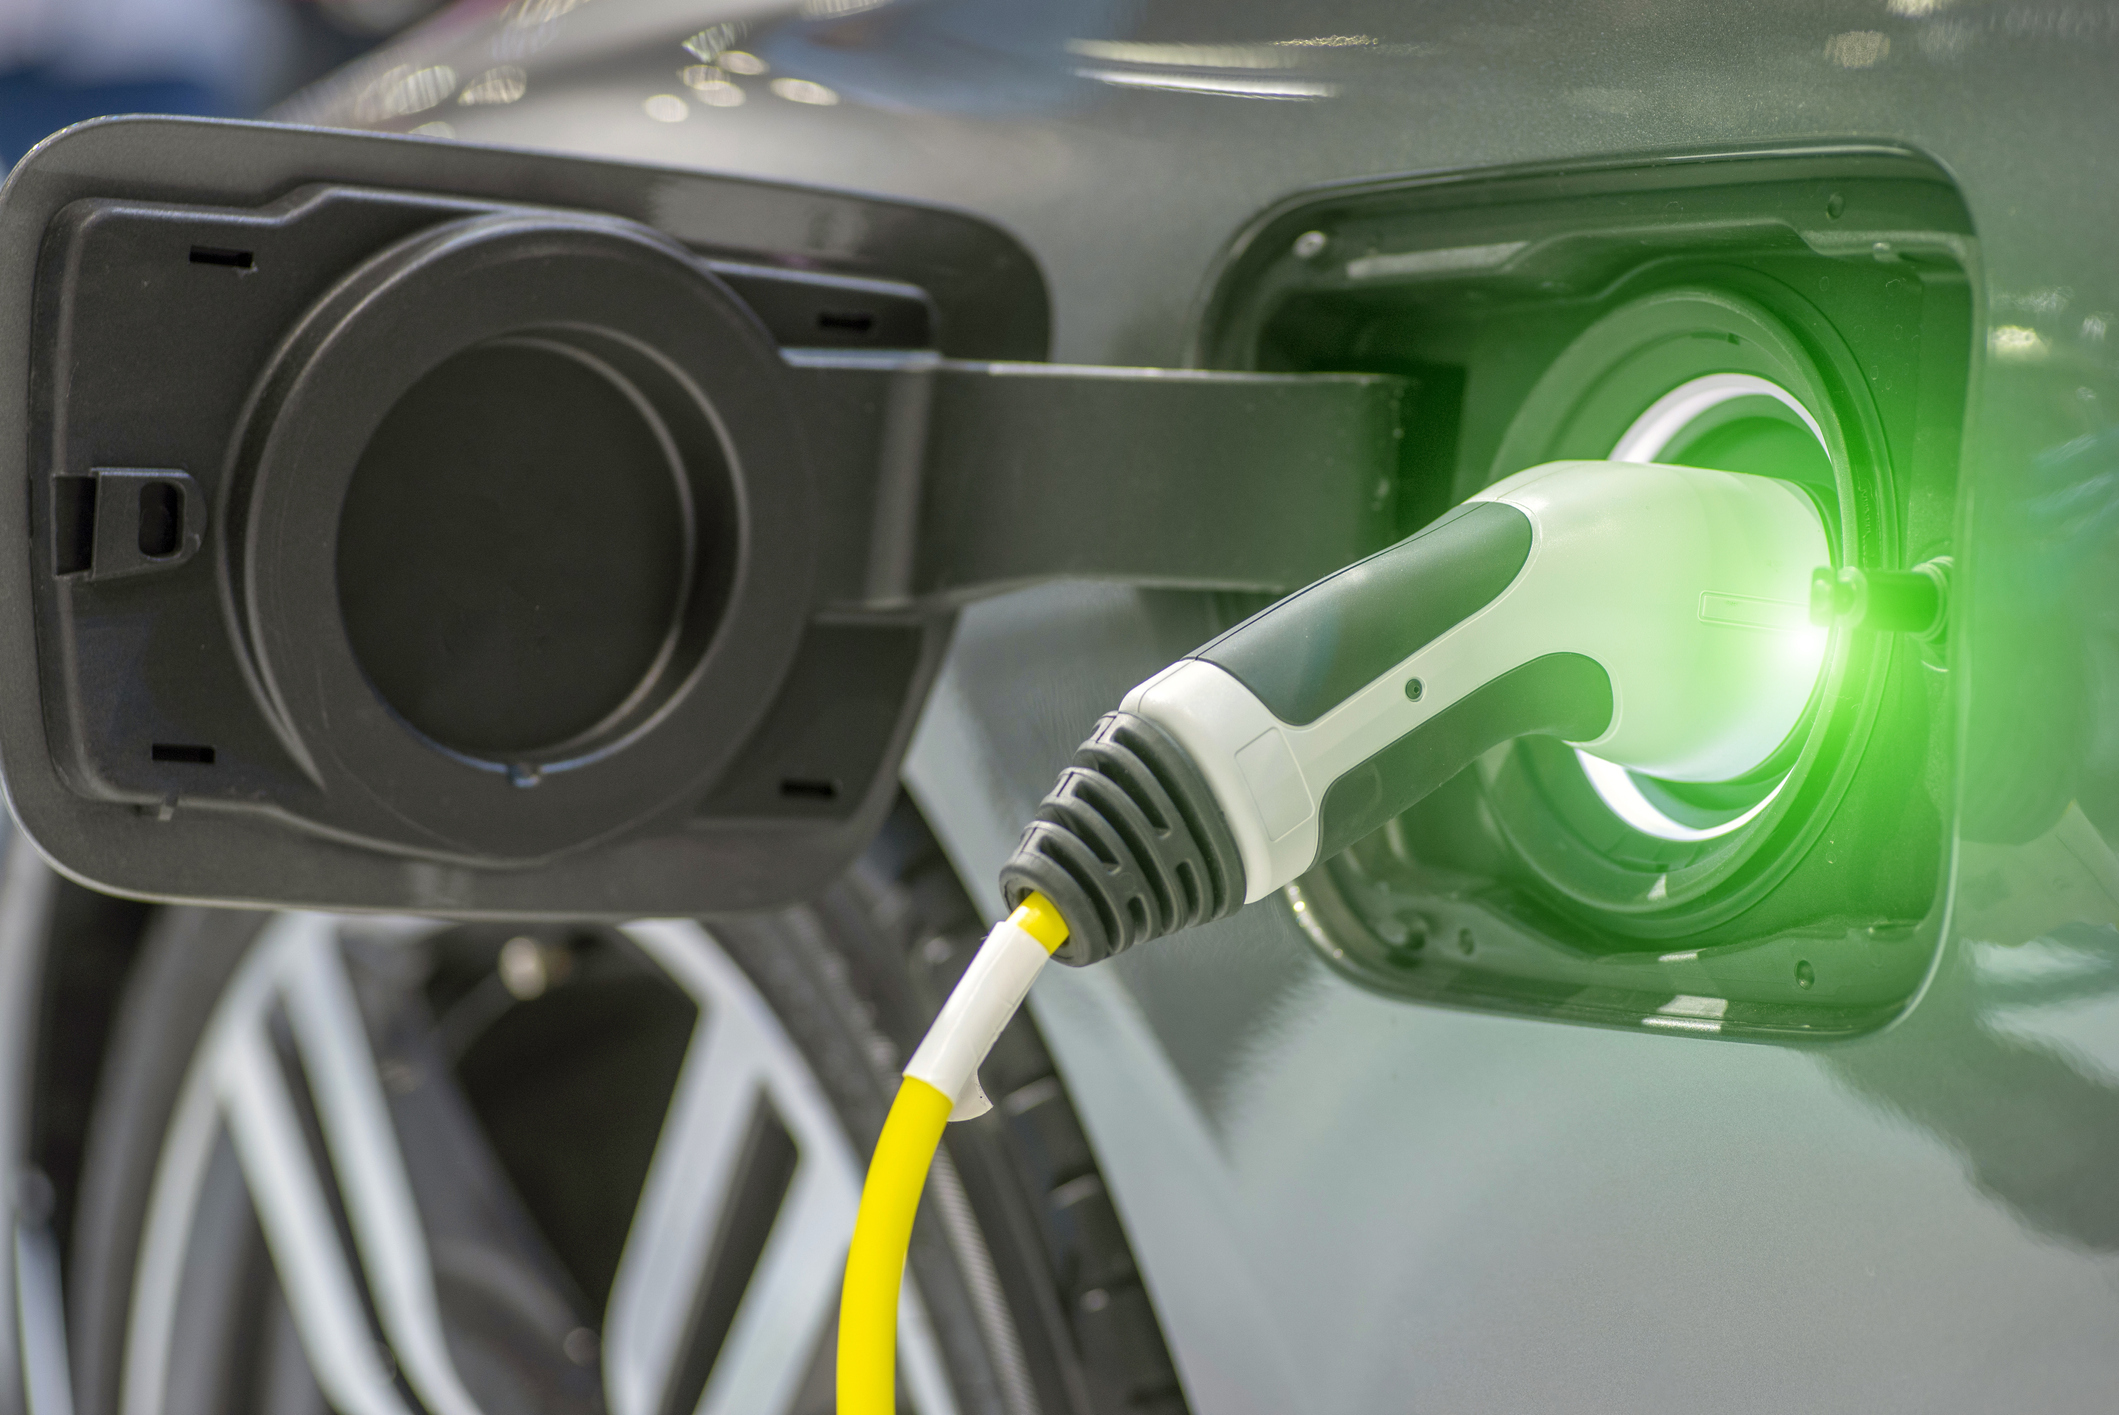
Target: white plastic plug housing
(1691, 587)
(1688, 587)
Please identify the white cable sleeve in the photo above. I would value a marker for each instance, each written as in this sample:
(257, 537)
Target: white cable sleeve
(979, 1006)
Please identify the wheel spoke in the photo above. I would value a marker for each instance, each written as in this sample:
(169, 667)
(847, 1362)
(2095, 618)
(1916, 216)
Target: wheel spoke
(741, 1058)
(730, 1268)
(240, 1080)
(298, 1228)
(789, 1299)
(355, 1115)
(671, 1241)
(236, 1078)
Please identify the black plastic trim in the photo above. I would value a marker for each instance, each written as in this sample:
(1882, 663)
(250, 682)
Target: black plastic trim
(254, 827)
(1128, 846)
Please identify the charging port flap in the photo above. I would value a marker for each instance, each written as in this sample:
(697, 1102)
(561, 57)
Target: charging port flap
(415, 658)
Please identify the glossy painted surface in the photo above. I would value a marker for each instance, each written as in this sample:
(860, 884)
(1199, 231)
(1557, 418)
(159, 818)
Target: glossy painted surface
(1344, 1203)
(1348, 1204)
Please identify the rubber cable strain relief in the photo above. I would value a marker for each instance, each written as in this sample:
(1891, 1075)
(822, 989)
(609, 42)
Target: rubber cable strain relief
(1129, 846)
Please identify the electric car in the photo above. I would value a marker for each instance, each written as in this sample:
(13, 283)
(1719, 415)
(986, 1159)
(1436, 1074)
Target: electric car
(1576, 1085)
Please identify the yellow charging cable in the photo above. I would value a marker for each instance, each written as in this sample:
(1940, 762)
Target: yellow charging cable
(980, 1006)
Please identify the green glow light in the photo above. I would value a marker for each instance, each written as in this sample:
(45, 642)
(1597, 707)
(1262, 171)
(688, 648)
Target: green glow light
(1734, 422)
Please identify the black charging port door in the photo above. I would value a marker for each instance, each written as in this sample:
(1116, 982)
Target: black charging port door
(495, 533)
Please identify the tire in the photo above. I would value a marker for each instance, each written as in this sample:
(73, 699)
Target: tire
(593, 1207)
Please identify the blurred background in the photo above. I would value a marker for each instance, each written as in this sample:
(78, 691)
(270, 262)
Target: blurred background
(65, 60)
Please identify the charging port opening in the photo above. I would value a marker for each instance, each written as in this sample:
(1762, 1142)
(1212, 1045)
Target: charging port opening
(1802, 317)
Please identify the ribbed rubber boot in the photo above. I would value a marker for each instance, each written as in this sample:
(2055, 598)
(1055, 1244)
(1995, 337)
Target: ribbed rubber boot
(1129, 845)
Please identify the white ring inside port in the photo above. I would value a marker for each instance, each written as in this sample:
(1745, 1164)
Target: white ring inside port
(1651, 432)
(1683, 405)
(1615, 785)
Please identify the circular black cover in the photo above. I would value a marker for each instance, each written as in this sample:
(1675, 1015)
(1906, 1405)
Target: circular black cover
(518, 544)
(514, 550)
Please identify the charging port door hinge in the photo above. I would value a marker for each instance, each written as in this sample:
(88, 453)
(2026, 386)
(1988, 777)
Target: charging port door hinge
(980, 477)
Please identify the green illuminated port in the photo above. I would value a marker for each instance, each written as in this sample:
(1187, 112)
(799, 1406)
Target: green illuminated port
(1741, 313)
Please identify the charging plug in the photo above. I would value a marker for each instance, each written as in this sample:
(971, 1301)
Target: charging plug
(1657, 617)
